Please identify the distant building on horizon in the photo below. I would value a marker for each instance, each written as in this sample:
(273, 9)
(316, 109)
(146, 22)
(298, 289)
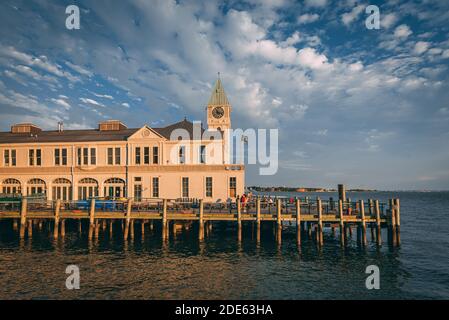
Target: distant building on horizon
(116, 161)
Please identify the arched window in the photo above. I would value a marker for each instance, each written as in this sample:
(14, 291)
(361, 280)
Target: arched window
(114, 188)
(36, 187)
(87, 188)
(11, 186)
(62, 189)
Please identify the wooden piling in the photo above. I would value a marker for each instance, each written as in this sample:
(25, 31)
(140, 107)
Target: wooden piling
(92, 212)
(341, 221)
(258, 210)
(378, 223)
(63, 228)
(164, 219)
(298, 220)
(279, 212)
(131, 228)
(398, 220)
(390, 223)
(97, 228)
(342, 192)
(30, 228)
(56, 227)
(23, 217)
(128, 220)
(126, 232)
(320, 222)
(201, 221)
(111, 226)
(363, 222)
(239, 210)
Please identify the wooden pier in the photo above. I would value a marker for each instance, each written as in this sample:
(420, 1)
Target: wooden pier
(310, 217)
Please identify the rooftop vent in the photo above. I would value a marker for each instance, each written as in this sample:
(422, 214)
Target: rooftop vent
(25, 128)
(111, 125)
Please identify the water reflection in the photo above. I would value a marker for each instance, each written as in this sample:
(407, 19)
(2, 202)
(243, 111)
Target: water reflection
(258, 265)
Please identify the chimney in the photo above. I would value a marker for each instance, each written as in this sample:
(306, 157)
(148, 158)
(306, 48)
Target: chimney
(60, 126)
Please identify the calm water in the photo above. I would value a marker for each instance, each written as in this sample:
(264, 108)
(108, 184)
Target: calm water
(221, 268)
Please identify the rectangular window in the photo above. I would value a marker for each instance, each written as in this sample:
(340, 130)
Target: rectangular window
(31, 157)
(110, 156)
(185, 187)
(38, 157)
(138, 188)
(64, 157)
(146, 155)
(79, 155)
(57, 157)
(182, 154)
(202, 154)
(155, 187)
(232, 187)
(208, 186)
(60, 157)
(85, 156)
(117, 155)
(155, 155)
(93, 156)
(137, 155)
(13, 157)
(6, 158)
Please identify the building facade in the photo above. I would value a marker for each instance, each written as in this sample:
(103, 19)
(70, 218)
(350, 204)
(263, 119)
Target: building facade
(182, 160)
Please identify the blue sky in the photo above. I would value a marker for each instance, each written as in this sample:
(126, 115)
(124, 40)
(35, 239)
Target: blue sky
(368, 108)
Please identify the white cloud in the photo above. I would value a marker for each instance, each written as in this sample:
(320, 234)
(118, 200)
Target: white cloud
(349, 17)
(34, 75)
(62, 103)
(91, 101)
(105, 96)
(421, 47)
(357, 66)
(322, 132)
(41, 62)
(308, 18)
(388, 20)
(310, 58)
(402, 31)
(292, 40)
(316, 3)
(125, 104)
(79, 69)
(445, 53)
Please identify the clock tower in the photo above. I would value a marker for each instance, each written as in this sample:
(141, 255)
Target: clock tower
(218, 108)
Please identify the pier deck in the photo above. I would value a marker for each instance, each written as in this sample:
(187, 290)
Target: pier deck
(307, 215)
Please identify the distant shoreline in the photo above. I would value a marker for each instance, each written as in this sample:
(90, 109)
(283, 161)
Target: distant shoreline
(315, 190)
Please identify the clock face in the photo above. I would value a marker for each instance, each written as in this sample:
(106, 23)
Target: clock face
(217, 112)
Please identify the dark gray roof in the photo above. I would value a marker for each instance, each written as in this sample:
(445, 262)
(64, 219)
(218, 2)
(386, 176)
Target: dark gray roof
(185, 124)
(89, 134)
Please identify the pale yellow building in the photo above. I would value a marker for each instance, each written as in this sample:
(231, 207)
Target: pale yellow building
(117, 161)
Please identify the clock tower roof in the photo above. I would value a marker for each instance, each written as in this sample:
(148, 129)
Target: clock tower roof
(218, 96)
